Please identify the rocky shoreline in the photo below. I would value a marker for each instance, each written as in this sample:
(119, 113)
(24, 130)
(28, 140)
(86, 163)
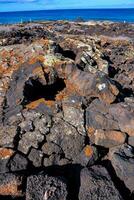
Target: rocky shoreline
(67, 111)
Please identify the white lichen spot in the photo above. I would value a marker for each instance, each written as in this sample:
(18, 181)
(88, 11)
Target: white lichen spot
(102, 86)
(73, 101)
(19, 114)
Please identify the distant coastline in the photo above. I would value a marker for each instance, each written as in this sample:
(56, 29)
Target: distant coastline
(116, 15)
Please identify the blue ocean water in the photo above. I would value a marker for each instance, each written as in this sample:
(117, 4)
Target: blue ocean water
(87, 14)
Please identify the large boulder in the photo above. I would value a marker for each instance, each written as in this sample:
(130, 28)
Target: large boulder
(122, 159)
(95, 183)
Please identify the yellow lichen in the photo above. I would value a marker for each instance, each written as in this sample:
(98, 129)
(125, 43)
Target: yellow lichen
(88, 151)
(36, 103)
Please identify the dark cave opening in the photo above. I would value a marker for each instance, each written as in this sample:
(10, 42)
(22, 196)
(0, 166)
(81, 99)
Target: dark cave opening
(69, 54)
(66, 53)
(34, 90)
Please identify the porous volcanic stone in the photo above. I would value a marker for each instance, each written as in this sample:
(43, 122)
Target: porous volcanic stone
(11, 184)
(41, 187)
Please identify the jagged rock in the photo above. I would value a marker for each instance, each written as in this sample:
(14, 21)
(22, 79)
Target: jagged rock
(30, 139)
(122, 65)
(49, 148)
(97, 184)
(89, 58)
(13, 118)
(5, 156)
(45, 187)
(36, 157)
(98, 117)
(67, 137)
(74, 114)
(18, 162)
(122, 158)
(11, 185)
(109, 139)
(35, 121)
(55, 159)
(91, 85)
(88, 156)
(43, 124)
(124, 114)
(7, 135)
(20, 78)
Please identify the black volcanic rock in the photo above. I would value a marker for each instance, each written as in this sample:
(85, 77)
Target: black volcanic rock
(67, 111)
(96, 184)
(122, 158)
(44, 187)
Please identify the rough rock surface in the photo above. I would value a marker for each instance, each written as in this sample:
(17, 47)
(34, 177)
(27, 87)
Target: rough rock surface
(67, 111)
(11, 185)
(96, 184)
(122, 159)
(43, 187)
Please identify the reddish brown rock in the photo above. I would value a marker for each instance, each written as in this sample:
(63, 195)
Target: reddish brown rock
(91, 85)
(99, 117)
(5, 156)
(109, 138)
(119, 116)
(11, 185)
(5, 153)
(124, 114)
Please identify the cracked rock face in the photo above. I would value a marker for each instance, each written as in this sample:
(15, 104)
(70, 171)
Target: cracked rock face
(67, 111)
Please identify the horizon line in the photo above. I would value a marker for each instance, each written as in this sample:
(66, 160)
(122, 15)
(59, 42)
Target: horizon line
(68, 9)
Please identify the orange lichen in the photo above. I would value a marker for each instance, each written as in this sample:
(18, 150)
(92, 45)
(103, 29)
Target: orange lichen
(10, 61)
(33, 60)
(5, 153)
(12, 188)
(88, 151)
(61, 95)
(68, 91)
(36, 103)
